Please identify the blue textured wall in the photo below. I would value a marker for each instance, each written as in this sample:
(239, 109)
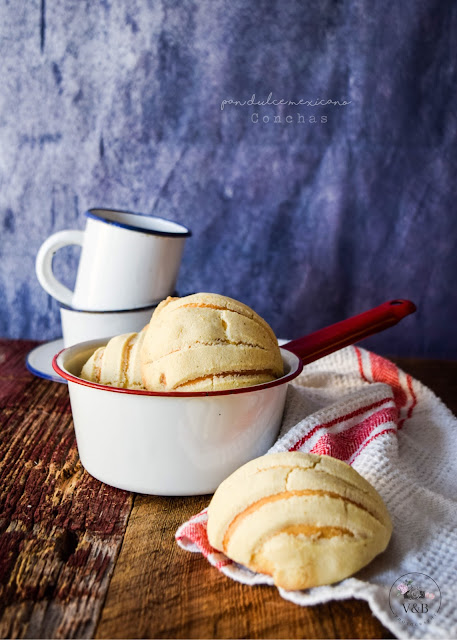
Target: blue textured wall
(119, 104)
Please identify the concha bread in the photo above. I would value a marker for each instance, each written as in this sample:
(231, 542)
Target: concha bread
(206, 342)
(117, 364)
(304, 519)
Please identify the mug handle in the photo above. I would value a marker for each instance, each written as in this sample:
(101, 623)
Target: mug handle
(43, 263)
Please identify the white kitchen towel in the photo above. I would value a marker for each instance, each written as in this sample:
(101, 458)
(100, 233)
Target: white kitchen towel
(359, 407)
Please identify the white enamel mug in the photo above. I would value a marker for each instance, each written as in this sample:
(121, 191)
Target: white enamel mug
(128, 260)
(79, 326)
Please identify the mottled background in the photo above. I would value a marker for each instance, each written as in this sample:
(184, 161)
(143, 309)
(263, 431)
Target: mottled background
(118, 104)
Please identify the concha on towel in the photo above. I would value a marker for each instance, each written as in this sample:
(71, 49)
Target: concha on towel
(304, 519)
(117, 364)
(207, 342)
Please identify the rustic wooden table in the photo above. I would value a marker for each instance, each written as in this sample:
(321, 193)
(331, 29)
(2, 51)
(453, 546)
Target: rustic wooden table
(81, 559)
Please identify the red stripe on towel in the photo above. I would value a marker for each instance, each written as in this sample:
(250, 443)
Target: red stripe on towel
(359, 360)
(196, 532)
(345, 444)
(340, 419)
(383, 370)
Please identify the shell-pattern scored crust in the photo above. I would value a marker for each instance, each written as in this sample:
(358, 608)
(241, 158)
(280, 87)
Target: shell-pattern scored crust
(307, 520)
(207, 342)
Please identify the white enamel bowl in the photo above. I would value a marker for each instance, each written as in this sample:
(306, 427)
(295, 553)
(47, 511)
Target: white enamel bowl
(187, 443)
(174, 443)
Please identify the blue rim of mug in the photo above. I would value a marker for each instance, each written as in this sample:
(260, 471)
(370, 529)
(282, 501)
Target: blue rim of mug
(91, 213)
(131, 310)
(175, 294)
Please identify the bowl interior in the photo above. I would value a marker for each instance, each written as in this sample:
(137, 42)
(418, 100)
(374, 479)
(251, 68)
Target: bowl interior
(74, 358)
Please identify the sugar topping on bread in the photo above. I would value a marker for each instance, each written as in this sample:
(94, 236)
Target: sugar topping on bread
(207, 342)
(307, 520)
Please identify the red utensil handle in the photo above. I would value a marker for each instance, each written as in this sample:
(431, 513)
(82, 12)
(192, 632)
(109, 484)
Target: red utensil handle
(347, 332)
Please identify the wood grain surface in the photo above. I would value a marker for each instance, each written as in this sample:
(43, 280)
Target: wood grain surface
(60, 529)
(81, 559)
(182, 596)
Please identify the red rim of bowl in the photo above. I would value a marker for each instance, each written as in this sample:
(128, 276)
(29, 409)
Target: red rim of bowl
(176, 394)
